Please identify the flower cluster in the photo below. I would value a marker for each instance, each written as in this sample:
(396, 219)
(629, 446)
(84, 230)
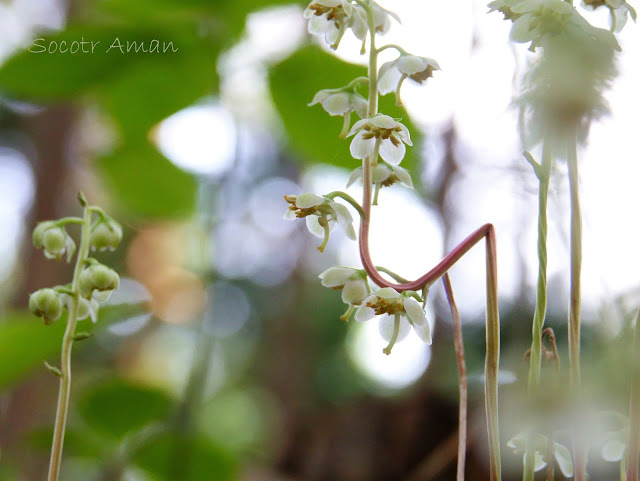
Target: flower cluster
(392, 74)
(95, 282)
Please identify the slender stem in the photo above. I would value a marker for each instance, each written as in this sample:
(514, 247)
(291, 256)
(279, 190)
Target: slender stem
(399, 49)
(580, 460)
(397, 277)
(462, 378)
(65, 358)
(633, 446)
(543, 172)
(349, 199)
(373, 62)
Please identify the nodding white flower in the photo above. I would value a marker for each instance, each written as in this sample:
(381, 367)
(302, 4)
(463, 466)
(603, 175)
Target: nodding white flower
(329, 18)
(393, 74)
(383, 174)
(87, 308)
(541, 443)
(383, 130)
(398, 313)
(321, 213)
(381, 20)
(54, 240)
(620, 11)
(340, 102)
(353, 283)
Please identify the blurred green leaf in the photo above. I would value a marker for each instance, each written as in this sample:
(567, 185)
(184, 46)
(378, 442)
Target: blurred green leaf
(312, 131)
(25, 343)
(205, 461)
(117, 407)
(147, 183)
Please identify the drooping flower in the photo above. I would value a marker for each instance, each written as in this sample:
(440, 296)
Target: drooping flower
(538, 18)
(541, 444)
(54, 240)
(383, 174)
(97, 278)
(87, 308)
(329, 19)
(353, 283)
(398, 313)
(383, 130)
(619, 9)
(46, 303)
(106, 235)
(393, 74)
(341, 102)
(321, 213)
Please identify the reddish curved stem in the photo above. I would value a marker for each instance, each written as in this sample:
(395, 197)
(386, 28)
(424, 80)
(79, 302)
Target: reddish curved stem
(486, 232)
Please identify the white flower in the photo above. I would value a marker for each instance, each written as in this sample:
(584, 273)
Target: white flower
(390, 134)
(384, 174)
(329, 18)
(541, 443)
(620, 11)
(538, 18)
(353, 283)
(392, 74)
(86, 307)
(340, 102)
(321, 213)
(505, 7)
(399, 312)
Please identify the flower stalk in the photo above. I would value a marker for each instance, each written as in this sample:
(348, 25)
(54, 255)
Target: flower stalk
(543, 173)
(633, 445)
(67, 345)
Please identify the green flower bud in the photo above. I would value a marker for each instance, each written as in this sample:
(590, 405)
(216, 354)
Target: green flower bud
(54, 240)
(106, 235)
(97, 277)
(46, 303)
(38, 233)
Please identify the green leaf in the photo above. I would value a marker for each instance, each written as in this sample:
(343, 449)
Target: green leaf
(202, 461)
(117, 407)
(25, 343)
(147, 184)
(313, 133)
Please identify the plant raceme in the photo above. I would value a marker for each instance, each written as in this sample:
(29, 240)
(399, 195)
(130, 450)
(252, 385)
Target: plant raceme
(92, 283)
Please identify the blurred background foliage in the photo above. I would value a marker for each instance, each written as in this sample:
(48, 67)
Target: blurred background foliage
(221, 358)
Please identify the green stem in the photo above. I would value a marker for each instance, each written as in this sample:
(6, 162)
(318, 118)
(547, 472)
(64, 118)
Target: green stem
(633, 446)
(543, 172)
(349, 199)
(395, 276)
(400, 50)
(394, 337)
(373, 62)
(580, 460)
(65, 359)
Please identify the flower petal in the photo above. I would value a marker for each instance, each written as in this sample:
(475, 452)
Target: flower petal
(423, 332)
(521, 31)
(403, 176)
(391, 153)
(388, 78)
(386, 328)
(359, 125)
(319, 25)
(314, 226)
(355, 175)
(410, 64)
(336, 276)
(383, 121)
(361, 148)
(355, 291)
(613, 450)
(361, 106)
(387, 293)
(364, 313)
(320, 96)
(415, 311)
(305, 201)
(380, 173)
(563, 457)
(337, 104)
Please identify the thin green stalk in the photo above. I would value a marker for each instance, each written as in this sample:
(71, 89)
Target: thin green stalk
(543, 172)
(580, 459)
(65, 359)
(633, 446)
(373, 62)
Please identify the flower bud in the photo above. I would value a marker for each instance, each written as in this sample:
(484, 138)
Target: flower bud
(46, 303)
(54, 240)
(97, 277)
(106, 235)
